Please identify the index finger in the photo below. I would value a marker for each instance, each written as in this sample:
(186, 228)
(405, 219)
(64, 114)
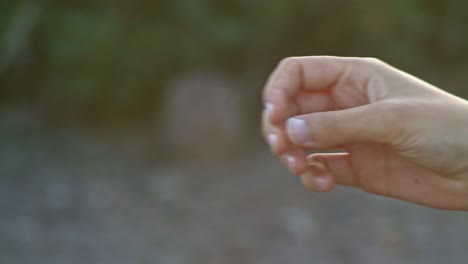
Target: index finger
(293, 74)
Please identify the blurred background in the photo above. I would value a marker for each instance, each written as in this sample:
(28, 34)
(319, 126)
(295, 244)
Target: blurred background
(129, 132)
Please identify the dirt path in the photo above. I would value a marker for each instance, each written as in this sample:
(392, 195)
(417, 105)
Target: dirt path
(69, 198)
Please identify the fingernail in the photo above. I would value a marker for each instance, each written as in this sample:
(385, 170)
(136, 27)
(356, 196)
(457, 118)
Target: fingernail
(273, 140)
(320, 182)
(298, 130)
(315, 182)
(269, 108)
(319, 172)
(291, 162)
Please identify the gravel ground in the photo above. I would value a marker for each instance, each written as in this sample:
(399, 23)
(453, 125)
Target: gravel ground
(70, 197)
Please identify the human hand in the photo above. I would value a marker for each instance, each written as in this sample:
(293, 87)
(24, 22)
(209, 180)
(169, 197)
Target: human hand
(403, 137)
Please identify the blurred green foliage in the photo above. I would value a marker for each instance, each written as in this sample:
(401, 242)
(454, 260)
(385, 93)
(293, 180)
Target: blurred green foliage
(108, 59)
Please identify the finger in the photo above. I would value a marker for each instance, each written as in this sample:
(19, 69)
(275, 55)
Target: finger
(292, 156)
(336, 164)
(374, 123)
(305, 73)
(280, 107)
(274, 136)
(308, 103)
(295, 160)
(300, 73)
(318, 183)
(320, 74)
(303, 103)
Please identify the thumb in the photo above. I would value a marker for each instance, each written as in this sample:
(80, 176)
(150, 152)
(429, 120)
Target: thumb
(373, 123)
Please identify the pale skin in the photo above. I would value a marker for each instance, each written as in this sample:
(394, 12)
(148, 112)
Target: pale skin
(402, 137)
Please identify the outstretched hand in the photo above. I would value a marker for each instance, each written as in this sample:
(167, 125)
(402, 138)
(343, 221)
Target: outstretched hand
(402, 137)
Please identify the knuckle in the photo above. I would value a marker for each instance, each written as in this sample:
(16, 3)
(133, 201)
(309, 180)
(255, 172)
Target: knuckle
(366, 71)
(368, 63)
(372, 61)
(287, 64)
(288, 61)
(310, 184)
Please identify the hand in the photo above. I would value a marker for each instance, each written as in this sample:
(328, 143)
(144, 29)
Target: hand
(402, 137)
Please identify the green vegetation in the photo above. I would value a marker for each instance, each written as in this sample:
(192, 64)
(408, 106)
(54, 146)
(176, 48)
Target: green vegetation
(113, 58)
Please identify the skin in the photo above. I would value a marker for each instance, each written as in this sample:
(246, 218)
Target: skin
(401, 137)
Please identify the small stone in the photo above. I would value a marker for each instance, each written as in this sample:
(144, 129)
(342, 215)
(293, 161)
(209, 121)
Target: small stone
(203, 116)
